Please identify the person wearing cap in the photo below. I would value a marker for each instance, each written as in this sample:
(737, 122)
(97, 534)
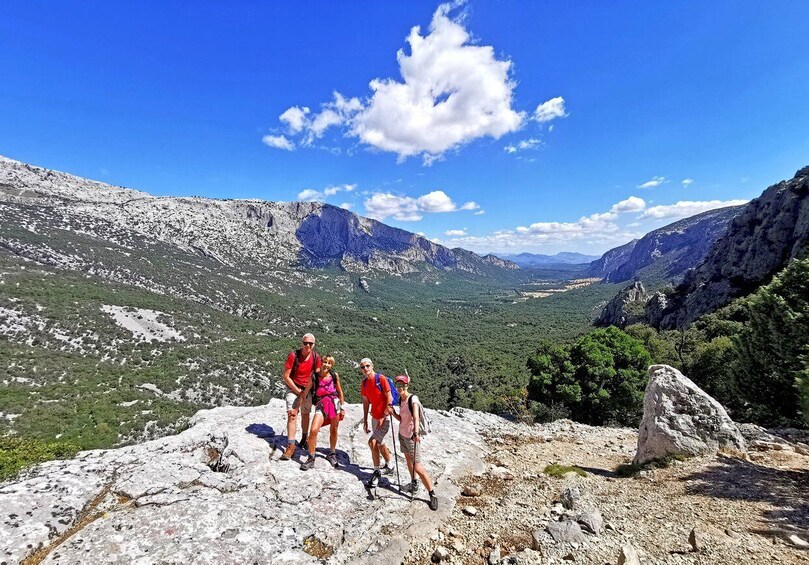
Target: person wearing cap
(377, 398)
(410, 440)
(298, 370)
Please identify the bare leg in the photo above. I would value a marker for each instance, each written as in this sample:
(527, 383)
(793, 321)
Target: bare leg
(305, 419)
(292, 416)
(374, 451)
(317, 422)
(383, 450)
(333, 434)
(410, 468)
(425, 478)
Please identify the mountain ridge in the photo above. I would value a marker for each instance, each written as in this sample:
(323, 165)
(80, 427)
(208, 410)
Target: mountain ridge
(253, 231)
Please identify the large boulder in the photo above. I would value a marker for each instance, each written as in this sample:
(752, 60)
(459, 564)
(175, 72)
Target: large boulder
(679, 418)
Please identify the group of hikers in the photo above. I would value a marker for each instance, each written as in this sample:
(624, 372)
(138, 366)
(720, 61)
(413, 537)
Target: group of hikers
(312, 381)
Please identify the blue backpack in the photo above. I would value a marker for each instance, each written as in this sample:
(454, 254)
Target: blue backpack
(393, 391)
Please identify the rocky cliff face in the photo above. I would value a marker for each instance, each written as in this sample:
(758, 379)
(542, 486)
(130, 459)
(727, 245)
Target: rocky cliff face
(665, 254)
(627, 307)
(611, 260)
(234, 232)
(770, 230)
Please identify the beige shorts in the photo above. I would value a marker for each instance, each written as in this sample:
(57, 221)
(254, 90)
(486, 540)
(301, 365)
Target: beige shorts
(294, 402)
(379, 431)
(409, 448)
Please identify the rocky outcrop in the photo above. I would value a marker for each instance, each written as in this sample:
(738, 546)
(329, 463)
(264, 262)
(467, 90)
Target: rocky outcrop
(679, 418)
(759, 242)
(233, 232)
(627, 307)
(217, 493)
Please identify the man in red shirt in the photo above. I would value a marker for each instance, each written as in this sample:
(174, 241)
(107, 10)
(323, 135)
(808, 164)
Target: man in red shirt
(305, 362)
(379, 399)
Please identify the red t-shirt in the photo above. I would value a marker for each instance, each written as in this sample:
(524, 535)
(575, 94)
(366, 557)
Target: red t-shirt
(377, 398)
(304, 371)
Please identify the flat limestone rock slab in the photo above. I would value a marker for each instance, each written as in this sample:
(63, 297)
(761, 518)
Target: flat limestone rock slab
(161, 501)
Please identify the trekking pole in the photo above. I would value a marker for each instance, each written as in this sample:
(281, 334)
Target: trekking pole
(395, 456)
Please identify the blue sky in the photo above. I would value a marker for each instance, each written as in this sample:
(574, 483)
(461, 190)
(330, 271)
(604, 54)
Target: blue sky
(500, 126)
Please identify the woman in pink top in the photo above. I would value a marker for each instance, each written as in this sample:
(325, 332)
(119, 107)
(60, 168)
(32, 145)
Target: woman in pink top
(410, 440)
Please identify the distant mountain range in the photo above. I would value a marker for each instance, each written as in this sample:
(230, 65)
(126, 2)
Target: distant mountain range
(535, 260)
(233, 232)
(665, 254)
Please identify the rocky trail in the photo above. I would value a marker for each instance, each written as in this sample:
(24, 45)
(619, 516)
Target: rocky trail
(742, 511)
(218, 493)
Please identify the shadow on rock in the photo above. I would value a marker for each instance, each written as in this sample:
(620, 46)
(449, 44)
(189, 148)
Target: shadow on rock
(263, 431)
(784, 489)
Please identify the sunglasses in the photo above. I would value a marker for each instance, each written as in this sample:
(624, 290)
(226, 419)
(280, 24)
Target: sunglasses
(364, 366)
(400, 385)
(308, 342)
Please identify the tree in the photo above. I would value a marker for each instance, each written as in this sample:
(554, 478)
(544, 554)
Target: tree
(599, 379)
(773, 348)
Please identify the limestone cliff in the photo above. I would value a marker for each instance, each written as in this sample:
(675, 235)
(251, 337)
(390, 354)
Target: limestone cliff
(770, 230)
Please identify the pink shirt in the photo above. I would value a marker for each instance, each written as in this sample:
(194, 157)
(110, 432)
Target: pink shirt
(407, 427)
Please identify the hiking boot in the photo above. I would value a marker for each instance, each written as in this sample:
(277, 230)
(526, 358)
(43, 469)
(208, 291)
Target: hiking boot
(387, 469)
(289, 452)
(433, 501)
(308, 464)
(411, 487)
(332, 459)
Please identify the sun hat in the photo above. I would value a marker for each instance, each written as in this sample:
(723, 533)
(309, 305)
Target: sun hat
(402, 379)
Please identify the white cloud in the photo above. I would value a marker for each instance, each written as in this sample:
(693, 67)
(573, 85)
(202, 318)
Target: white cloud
(310, 195)
(436, 201)
(550, 110)
(278, 141)
(656, 181)
(479, 213)
(455, 232)
(295, 118)
(685, 208)
(332, 190)
(405, 208)
(531, 143)
(346, 205)
(631, 204)
(687, 182)
(452, 91)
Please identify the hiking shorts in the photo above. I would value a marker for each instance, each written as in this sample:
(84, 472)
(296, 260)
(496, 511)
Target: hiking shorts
(409, 448)
(379, 431)
(319, 408)
(295, 402)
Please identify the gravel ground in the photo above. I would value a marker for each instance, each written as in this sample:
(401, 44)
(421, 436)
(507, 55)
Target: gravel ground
(743, 510)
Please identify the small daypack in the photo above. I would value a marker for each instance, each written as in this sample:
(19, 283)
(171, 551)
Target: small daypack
(424, 421)
(394, 393)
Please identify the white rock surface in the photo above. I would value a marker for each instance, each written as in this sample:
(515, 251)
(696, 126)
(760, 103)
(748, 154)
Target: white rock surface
(679, 418)
(161, 502)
